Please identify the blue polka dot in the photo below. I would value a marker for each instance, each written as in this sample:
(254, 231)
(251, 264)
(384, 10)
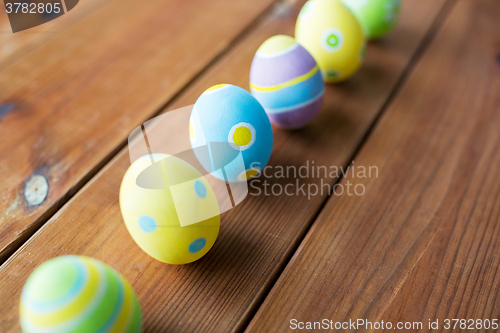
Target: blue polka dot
(197, 245)
(147, 224)
(200, 189)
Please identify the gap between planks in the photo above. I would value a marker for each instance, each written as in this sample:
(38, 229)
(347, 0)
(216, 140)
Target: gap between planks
(40, 222)
(362, 133)
(280, 295)
(436, 25)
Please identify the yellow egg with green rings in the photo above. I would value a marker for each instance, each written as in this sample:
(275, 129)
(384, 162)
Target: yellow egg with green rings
(77, 294)
(176, 223)
(334, 37)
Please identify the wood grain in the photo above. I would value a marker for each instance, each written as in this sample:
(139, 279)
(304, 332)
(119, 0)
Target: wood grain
(15, 46)
(221, 292)
(69, 106)
(422, 243)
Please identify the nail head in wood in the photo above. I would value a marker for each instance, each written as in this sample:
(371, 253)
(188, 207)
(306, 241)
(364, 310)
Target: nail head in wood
(36, 190)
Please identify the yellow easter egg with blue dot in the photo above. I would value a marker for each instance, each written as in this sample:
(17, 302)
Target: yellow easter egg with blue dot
(76, 294)
(334, 37)
(232, 123)
(176, 222)
(286, 80)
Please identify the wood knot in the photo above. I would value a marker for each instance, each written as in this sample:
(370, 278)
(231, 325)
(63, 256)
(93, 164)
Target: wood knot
(36, 190)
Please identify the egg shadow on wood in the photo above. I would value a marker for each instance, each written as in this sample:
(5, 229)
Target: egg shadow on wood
(326, 129)
(231, 248)
(227, 260)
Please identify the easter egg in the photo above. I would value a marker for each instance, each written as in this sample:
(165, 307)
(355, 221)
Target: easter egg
(377, 17)
(176, 223)
(286, 80)
(231, 120)
(78, 294)
(332, 34)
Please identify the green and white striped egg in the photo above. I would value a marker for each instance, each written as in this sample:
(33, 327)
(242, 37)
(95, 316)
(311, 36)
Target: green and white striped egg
(78, 294)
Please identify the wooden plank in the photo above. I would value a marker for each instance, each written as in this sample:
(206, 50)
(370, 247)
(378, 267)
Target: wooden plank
(222, 291)
(422, 243)
(15, 46)
(69, 106)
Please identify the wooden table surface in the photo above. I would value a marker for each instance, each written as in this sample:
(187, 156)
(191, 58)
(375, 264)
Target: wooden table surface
(421, 243)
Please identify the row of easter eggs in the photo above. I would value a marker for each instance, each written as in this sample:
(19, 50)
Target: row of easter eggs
(287, 87)
(287, 74)
(80, 294)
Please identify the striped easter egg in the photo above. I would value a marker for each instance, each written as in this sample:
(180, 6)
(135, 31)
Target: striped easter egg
(78, 294)
(286, 80)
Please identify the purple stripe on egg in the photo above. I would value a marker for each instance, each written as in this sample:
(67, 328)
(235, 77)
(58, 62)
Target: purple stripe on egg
(297, 118)
(267, 72)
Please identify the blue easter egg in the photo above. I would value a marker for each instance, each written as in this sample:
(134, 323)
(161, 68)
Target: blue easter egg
(232, 124)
